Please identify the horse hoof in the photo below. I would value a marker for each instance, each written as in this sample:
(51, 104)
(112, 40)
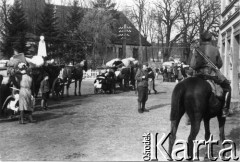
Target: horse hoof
(206, 158)
(80, 94)
(75, 94)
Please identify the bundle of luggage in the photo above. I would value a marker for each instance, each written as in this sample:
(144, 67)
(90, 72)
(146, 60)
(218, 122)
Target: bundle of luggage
(104, 83)
(124, 63)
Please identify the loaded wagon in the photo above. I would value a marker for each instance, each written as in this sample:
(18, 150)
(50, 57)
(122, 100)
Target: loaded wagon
(9, 95)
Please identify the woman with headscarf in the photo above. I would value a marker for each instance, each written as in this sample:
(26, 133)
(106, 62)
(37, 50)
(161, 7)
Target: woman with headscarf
(25, 95)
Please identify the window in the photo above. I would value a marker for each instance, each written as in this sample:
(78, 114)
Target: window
(120, 52)
(135, 53)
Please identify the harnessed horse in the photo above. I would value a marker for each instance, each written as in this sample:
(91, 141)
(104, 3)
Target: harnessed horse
(194, 96)
(73, 72)
(38, 74)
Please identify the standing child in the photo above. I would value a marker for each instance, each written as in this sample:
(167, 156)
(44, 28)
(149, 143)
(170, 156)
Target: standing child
(45, 88)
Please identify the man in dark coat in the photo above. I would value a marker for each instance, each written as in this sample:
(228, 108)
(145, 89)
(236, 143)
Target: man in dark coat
(151, 76)
(142, 84)
(202, 67)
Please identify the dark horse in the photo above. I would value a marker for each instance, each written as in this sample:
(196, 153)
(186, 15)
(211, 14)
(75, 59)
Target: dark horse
(194, 96)
(124, 77)
(74, 72)
(38, 73)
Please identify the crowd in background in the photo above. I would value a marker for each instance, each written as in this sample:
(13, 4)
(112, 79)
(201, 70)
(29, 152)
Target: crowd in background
(173, 73)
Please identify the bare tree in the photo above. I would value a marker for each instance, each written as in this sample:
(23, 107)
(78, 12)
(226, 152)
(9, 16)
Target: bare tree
(208, 15)
(189, 25)
(138, 12)
(4, 20)
(196, 17)
(168, 12)
(4, 12)
(149, 28)
(96, 28)
(104, 4)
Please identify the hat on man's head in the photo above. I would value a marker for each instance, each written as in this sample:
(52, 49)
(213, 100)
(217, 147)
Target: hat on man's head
(206, 36)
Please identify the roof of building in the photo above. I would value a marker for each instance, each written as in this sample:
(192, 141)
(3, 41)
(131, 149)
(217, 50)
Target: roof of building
(133, 38)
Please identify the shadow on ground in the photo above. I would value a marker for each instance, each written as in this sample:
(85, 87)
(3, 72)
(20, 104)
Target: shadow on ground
(233, 135)
(158, 106)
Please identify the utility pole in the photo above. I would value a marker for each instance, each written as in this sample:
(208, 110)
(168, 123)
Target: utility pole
(124, 30)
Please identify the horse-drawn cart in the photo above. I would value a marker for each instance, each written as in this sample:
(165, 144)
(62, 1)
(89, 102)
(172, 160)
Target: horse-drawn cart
(10, 95)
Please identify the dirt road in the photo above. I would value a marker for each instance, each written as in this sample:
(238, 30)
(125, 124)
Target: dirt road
(97, 127)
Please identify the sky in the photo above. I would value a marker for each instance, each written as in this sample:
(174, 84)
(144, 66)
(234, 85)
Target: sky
(121, 4)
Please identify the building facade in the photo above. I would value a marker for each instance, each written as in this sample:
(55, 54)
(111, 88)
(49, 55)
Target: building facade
(229, 44)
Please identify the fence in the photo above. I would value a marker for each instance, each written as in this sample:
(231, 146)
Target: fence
(91, 74)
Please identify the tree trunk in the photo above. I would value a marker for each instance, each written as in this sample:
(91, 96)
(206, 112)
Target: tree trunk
(140, 47)
(152, 55)
(94, 57)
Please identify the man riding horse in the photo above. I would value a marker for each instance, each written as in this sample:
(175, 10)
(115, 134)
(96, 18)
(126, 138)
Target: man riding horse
(205, 70)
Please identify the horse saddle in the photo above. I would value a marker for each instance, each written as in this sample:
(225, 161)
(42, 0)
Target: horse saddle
(216, 89)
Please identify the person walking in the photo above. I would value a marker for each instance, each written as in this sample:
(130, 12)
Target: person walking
(183, 71)
(142, 84)
(45, 89)
(165, 74)
(157, 72)
(151, 80)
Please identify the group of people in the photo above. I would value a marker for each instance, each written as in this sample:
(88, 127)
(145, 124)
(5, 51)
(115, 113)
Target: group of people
(20, 75)
(173, 73)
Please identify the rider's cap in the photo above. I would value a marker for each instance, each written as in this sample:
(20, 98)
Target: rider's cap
(206, 36)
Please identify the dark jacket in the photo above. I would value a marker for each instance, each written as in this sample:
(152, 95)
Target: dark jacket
(45, 86)
(211, 52)
(150, 73)
(142, 82)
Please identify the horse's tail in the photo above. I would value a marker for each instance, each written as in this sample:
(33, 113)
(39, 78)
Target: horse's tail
(177, 101)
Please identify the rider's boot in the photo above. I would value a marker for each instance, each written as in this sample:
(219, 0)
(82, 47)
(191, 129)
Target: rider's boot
(140, 108)
(225, 111)
(143, 107)
(21, 118)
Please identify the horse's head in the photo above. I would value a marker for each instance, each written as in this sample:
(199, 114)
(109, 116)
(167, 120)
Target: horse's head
(83, 64)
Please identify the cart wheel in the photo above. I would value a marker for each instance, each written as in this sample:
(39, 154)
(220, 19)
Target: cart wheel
(57, 88)
(5, 111)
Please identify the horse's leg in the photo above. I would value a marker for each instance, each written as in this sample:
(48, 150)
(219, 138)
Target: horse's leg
(68, 85)
(79, 87)
(172, 137)
(75, 91)
(63, 89)
(195, 126)
(173, 132)
(221, 123)
(207, 134)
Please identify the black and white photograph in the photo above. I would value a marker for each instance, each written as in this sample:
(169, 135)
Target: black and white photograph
(119, 80)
